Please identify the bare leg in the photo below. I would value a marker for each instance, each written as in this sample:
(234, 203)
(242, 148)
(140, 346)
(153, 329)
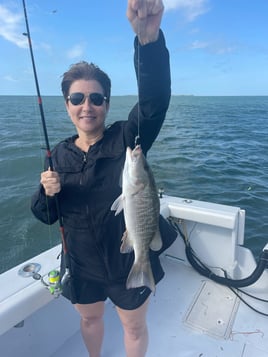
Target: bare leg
(92, 326)
(135, 330)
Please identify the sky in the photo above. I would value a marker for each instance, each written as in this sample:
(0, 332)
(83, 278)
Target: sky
(217, 47)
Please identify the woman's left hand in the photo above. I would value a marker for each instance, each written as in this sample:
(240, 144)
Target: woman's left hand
(145, 17)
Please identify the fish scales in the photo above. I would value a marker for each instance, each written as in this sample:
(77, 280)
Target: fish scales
(146, 212)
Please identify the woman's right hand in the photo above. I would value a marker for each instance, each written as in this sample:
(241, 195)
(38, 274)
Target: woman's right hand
(51, 182)
(145, 18)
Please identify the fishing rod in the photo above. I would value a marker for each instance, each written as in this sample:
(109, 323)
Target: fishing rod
(66, 275)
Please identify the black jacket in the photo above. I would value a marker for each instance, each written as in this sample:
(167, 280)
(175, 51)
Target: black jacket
(90, 182)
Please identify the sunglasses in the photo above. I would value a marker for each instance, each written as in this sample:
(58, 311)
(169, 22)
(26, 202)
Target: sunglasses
(79, 98)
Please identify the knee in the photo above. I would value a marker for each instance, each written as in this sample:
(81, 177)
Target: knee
(135, 331)
(90, 320)
(90, 315)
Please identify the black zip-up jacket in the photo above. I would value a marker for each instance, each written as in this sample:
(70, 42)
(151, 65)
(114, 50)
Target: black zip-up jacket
(90, 182)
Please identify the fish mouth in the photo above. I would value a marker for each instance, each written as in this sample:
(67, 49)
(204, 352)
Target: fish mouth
(137, 149)
(136, 153)
(132, 156)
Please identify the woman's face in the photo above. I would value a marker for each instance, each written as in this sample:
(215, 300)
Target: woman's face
(87, 117)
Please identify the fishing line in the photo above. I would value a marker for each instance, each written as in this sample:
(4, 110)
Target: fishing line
(137, 138)
(66, 275)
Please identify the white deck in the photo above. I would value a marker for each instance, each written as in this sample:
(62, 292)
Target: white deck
(169, 335)
(189, 316)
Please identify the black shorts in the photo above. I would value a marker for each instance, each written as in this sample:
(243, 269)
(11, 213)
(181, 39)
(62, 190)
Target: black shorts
(89, 292)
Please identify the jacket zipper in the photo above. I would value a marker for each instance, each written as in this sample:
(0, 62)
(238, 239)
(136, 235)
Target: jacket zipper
(84, 163)
(84, 157)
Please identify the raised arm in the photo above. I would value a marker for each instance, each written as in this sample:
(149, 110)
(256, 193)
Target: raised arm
(151, 60)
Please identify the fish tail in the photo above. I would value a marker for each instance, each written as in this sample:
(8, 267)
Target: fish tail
(141, 275)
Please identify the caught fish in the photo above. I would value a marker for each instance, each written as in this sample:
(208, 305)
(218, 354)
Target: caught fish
(141, 206)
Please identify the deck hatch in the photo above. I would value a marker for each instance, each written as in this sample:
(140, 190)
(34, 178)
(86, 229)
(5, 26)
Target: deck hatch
(213, 310)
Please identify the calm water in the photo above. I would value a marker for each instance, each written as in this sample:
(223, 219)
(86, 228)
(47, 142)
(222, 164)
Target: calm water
(210, 148)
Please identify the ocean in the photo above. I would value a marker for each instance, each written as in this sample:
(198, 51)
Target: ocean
(210, 148)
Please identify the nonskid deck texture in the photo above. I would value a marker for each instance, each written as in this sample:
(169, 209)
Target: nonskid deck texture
(188, 316)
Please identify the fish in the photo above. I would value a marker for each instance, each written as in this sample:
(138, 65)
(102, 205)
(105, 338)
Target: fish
(141, 207)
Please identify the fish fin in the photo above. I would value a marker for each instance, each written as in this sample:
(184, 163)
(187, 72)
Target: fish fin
(117, 206)
(126, 246)
(156, 243)
(141, 275)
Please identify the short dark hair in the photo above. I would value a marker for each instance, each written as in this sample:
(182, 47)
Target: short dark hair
(87, 71)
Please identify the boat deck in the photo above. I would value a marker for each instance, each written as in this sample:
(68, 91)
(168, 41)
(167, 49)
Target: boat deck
(188, 316)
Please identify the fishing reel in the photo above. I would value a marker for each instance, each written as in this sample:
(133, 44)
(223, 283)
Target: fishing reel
(53, 283)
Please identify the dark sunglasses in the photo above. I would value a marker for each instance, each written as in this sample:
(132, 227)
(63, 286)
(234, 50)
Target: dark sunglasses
(78, 98)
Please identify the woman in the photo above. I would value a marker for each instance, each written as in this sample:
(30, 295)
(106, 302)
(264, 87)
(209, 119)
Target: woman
(86, 177)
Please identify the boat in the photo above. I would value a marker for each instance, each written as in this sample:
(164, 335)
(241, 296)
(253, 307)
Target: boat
(211, 302)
